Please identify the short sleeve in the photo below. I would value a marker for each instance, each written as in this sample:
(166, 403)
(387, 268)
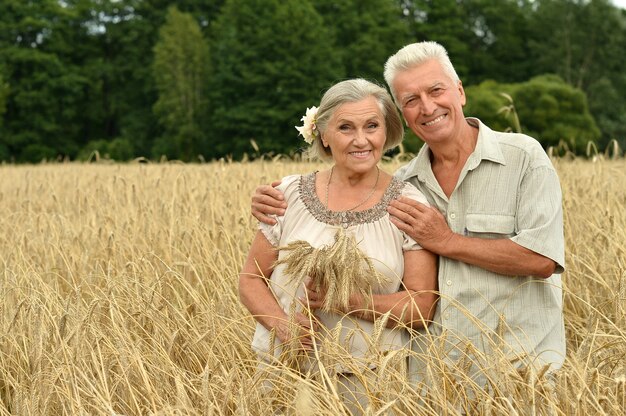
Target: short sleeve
(539, 224)
(410, 191)
(289, 186)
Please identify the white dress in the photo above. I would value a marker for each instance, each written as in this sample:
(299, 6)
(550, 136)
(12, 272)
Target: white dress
(306, 218)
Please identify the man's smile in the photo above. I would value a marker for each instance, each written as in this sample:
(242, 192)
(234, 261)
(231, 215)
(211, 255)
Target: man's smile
(435, 121)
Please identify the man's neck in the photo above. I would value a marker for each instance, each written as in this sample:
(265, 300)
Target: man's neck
(447, 159)
(455, 151)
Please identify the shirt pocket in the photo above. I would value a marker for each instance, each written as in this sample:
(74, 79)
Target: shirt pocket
(490, 225)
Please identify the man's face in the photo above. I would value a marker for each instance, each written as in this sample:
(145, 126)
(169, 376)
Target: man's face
(431, 102)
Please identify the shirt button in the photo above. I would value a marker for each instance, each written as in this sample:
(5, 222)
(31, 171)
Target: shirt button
(449, 282)
(453, 215)
(446, 316)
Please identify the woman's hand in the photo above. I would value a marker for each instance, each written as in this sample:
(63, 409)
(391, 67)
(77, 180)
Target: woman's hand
(267, 201)
(315, 300)
(303, 329)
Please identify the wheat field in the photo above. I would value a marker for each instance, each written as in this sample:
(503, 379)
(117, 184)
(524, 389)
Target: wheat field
(119, 297)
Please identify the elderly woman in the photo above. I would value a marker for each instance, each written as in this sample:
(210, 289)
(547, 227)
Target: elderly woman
(355, 124)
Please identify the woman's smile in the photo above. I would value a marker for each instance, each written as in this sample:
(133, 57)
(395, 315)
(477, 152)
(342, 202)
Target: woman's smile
(361, 154)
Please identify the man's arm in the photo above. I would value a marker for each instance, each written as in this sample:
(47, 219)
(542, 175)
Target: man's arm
(266, 201)
(428, 227)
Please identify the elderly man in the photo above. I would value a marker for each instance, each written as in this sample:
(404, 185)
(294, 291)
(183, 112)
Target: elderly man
(495, 220)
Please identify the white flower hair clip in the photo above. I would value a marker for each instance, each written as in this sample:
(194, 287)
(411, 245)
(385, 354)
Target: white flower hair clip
(308, 130)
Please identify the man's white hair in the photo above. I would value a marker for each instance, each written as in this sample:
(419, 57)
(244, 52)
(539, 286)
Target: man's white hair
(413, 55)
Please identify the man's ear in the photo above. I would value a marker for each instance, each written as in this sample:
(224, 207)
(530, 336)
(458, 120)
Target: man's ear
(462, 93)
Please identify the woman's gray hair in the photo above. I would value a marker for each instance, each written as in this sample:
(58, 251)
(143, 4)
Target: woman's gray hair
(350, 91)
(416, 54)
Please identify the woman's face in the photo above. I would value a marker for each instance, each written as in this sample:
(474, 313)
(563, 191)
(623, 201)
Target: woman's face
(356, 135)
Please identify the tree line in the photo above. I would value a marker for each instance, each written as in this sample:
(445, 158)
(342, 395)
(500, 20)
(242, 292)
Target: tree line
(203, 79)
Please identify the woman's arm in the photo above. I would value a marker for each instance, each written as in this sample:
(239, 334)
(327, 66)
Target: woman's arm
(413, 305)
(257, 297)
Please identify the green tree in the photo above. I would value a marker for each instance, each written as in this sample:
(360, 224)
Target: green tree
(181, 59)
(42, 106)
(446, 22)
(498, 41)
(116, 149)
(584, 43)
(4, 92)
(271, 60)
(113, 42)
(366, 33)
(547, 108)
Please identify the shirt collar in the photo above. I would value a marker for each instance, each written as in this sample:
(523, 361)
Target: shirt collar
(486, 149)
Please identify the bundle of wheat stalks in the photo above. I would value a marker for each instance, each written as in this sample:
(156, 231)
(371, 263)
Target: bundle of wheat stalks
(339, 270)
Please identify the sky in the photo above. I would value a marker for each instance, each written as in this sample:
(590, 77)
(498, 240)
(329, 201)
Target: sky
(620, 3)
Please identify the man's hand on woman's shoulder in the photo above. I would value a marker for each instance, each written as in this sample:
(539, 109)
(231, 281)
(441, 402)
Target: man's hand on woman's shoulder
(266, 201)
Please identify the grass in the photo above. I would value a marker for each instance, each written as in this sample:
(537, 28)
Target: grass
(119, 297)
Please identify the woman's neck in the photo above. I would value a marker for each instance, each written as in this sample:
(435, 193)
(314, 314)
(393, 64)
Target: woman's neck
(342, 177)
(352, 192)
